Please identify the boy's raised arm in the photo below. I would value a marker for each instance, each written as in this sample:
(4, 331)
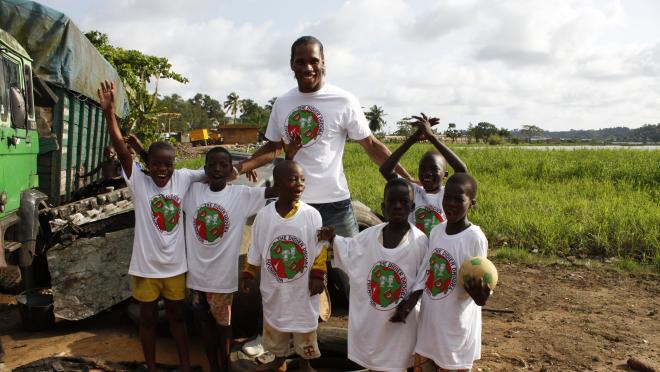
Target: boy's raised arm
(107, 101)
(387, 169)
(424, 125)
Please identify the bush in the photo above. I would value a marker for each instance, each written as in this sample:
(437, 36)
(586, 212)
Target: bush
(495, 139)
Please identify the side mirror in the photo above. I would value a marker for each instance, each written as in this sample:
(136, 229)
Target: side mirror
(18, 109)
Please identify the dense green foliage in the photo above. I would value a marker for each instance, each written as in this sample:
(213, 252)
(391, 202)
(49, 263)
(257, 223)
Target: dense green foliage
(584, 202)
(646, 133)
(136, 70)
(200, 111)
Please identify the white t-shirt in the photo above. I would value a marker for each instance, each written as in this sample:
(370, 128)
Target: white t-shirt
(159, 249)
(286, 249)
(380, 278)
(214, 232)
(449, 329)
(324, 119)
(428, 209)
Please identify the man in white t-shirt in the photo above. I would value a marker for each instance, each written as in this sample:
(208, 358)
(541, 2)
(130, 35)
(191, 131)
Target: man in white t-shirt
(324, 116)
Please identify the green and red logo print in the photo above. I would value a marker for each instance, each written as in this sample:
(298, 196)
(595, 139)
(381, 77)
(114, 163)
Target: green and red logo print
(211, 222)
(427, 217)
(165, 212)
(441, 274)
(307, 122)
(288, 258)
(387, 285)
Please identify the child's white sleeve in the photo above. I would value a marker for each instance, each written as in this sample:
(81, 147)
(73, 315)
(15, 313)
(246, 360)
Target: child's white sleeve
(256, 199)
(341, 249)
(254, 252)
(422, 272)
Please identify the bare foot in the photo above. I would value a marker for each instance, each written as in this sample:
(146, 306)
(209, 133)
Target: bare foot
(277, 365)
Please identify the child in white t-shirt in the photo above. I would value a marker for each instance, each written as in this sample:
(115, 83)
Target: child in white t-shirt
(432, 170)
(216, 214)
(449, 332)
(382, 262)
(158, 261)
(291, 264)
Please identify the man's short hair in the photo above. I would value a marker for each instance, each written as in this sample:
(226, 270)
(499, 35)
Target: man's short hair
(465, 180)
(218, 150)
(303, 40)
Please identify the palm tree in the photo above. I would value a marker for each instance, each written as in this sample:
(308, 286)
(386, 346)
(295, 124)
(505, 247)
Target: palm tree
(375, 116)
(269, 105)
(232, 103)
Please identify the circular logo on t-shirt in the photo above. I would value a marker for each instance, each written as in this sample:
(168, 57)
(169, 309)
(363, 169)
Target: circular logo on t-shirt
(307, 122)
(441, 275)
(427, 217)
(288, 258)
(211, 222)
(165, 212)
(386, 285)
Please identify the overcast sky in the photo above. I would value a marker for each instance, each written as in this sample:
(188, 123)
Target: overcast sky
(556, 64)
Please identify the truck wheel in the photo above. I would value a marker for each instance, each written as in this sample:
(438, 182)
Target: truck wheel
(10, 279)
(364, 215)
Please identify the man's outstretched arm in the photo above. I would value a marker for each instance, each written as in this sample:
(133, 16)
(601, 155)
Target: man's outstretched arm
(264, 155)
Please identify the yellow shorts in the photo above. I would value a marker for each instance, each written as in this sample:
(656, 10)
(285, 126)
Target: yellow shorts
(150, 289)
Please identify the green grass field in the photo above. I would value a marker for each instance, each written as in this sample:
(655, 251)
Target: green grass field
(582, 203)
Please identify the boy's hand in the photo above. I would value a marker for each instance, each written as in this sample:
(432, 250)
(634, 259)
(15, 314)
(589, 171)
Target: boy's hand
(424, 124)
(134, 142)
(106, 95)
(478, 290)
(291, 148)
(315, 286)
(402, 310)
(326, 233)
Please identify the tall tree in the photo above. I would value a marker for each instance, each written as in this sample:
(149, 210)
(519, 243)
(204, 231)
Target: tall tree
(483, 130)
(252, 113)
(529, 131)
(404, 128)
(270, 104)
(232, 103)
(452, 132)
(136, 71)
(375, 117)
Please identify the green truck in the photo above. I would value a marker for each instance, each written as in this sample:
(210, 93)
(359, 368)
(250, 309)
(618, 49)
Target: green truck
(52, 130)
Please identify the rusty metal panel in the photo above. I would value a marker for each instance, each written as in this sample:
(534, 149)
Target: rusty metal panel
(90, 274)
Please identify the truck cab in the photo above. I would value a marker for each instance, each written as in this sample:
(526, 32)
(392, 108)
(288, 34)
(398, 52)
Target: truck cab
(19, 147)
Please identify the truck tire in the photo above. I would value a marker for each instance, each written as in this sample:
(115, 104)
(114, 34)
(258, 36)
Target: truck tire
(10, 279)
(364, 215)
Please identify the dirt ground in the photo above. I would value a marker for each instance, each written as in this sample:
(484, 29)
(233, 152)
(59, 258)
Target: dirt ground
(562, 318)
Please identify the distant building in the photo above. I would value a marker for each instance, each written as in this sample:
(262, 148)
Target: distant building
(241, 134)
